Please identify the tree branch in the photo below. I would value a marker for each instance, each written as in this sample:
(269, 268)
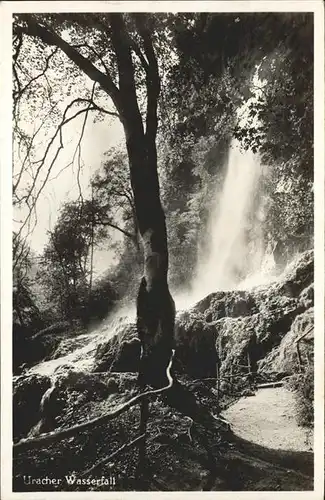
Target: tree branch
(20, 41)
(110, 224)
(135, 47)
(153, 85)
(81, 45)
(64, 121)
(120, 40)
(41, 163)
(47, 62)
(117, 452)
(56, 435)
(29, 146)
(49, 37)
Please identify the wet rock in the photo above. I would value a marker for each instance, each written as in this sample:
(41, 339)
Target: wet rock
(235, 337)
(27, 394)
(306, 297)
(69, 393)
(203, 305)
(298, 276)
(121, 353)
(91, 384)
(284, 358)
(232, 305)
(128, 356)
(240, 327)
(195, 345)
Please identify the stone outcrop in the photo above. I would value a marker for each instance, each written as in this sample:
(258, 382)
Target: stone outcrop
(27, 394)
(235, 329)
(121, 353)
(252, 328)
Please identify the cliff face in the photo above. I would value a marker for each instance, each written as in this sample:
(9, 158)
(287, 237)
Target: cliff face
(239, 330)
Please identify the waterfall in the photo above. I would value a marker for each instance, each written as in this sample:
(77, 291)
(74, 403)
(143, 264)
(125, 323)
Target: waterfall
(234, 255)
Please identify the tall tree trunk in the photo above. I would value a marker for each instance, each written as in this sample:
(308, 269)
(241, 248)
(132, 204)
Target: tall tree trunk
(155, 306)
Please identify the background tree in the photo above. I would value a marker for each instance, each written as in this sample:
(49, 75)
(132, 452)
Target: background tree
(67, 270)
(113, 197)
(25, 309)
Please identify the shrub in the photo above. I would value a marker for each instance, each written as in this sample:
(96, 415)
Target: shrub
(302, 384)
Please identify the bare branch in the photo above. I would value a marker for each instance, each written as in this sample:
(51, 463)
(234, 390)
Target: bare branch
(58, 131)
(113, 226)
(49, 37)
(29, 146)
(56, 435)
(117, 452)
(78, 148)
(18, 95)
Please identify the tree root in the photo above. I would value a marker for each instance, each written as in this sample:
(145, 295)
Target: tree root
(71, 431)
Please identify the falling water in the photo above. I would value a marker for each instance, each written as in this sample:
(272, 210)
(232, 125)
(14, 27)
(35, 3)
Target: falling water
(79, 352)
(235, 255)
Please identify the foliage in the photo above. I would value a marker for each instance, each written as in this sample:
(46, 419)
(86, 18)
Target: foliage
(67, 259)
(113, 196)
(279, 126)
(26, 314)
(210, 65)
(303, 386)
(238, 81)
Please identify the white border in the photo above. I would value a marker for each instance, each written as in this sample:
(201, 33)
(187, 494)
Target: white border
(6, 10)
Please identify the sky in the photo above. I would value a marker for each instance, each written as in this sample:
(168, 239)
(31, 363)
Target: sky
(62, 184)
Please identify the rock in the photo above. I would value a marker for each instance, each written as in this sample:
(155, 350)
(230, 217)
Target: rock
(298, 275)
(203, 305)
(128, 356)
(27, 394)
(84, 382)
(112, 386)
(70, 391)
(284, 358)
(241, 327)
(195, 345)
(230, 304)
(121, 353)
(306, 298)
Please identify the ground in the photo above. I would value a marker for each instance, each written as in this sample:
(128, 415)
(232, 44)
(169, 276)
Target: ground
(268, 419)
(249, 460)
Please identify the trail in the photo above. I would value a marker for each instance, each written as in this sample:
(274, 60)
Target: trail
(268, 419)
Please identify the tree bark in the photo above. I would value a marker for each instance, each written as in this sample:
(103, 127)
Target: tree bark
(155, 306)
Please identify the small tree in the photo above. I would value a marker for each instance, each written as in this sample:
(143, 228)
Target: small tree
(113, 197)
(68, 258)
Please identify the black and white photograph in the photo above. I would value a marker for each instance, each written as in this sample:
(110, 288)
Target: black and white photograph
(164, 213)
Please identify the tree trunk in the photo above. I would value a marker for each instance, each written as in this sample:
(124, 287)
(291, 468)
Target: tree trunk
(155, 306)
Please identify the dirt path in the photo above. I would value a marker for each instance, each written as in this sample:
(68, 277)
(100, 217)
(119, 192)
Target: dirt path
(268, 419)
